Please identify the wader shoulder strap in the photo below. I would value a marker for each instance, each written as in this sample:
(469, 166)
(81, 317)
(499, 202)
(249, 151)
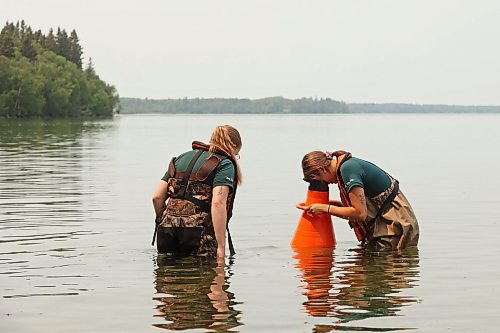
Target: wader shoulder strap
(183, 186)
(201, 175)
(171, 168)
(360, 227)
(386, 202)
(229, 240)
(230, 209)
(187, 173)
(207, 167)
(205, 170)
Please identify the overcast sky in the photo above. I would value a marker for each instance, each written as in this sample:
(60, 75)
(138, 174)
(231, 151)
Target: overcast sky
(420, 51)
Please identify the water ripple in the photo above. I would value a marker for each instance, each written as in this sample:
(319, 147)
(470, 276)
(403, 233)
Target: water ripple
(46, 205)
(356, 285)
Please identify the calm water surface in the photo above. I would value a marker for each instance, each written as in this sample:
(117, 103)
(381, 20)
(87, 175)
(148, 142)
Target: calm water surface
(76, 224)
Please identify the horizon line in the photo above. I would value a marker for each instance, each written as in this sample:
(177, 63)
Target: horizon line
(316, 97)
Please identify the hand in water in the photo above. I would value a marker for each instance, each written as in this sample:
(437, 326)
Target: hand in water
(221, 254)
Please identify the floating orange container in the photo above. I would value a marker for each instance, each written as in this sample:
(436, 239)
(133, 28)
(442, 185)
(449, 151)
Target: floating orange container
(315, 230)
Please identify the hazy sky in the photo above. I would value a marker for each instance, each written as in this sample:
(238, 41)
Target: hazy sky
(420, 51)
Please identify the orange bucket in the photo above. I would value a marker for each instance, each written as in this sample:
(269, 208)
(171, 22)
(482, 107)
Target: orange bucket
(315, 230)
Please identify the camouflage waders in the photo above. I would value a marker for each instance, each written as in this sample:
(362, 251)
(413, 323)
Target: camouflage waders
(185, 226)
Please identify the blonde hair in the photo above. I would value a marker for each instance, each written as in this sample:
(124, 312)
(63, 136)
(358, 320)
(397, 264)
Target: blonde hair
(228, 139)
(315, 161)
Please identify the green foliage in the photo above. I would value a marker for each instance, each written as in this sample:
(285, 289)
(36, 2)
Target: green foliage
(283, 105)
(20, 89)
(42, 76)
(233, 105)
(7, 41)
(75, 50)
(50, 43)
(28, 45)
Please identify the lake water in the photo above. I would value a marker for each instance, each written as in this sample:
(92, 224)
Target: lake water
(76, 223)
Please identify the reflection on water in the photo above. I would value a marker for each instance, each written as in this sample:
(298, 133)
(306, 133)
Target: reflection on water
(43, 210)
(357, 285)
(76, 222)
(193, 294)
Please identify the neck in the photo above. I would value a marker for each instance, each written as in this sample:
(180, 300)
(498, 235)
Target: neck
(333, 169)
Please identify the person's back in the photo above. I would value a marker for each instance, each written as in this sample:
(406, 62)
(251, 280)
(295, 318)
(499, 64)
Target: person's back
(185, 226)
(200, 186)
(222, 175)
(390, 220)
(358, 172)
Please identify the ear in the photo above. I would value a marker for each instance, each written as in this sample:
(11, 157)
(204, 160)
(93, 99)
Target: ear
(235, 149)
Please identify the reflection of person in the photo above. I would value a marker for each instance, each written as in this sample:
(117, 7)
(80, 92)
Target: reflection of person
(194, 295)
(362, 285)
(377, 210)
(200, 186)
(373, 282)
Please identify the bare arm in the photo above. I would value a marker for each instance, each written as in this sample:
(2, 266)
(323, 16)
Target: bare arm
(219, 217)
(159, 197)
(358, 202)
(336, 203)
(357, 211)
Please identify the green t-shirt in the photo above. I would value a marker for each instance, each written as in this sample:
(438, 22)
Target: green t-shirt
(222, 176)
(358, 172)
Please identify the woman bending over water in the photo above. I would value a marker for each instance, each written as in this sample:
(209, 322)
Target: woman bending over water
(371, 200)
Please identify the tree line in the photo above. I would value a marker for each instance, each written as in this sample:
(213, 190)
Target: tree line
(284, 105)
(43, 76)
(233, 105)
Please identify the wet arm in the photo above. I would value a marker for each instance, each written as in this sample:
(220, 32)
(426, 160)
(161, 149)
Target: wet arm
(159, 197)
(219, 217)
(356, 212)
(337, 203)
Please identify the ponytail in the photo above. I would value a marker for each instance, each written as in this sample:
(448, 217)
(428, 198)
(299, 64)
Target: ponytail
(228, 139)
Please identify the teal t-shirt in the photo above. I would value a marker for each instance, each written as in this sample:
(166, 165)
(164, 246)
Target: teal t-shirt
(358, 172)
(222, 176)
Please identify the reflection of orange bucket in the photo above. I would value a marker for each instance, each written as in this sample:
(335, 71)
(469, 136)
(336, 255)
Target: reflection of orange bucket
(315, 230)
(315, 265)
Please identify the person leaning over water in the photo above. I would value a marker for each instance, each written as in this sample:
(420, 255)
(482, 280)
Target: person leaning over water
(200, 186)
(377, 210)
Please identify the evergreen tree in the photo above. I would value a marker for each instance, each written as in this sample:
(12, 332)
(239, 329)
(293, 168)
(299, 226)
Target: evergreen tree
(75, 50)
(28, 48)
(63, 45)
(50, 42)
(7, 41)
(42, 76)
(21, 29)
(39, 37)
(89, 70)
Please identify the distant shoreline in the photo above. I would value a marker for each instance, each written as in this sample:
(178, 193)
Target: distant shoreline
(280, 105)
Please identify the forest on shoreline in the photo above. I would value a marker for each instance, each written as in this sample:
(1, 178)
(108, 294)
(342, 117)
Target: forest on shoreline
(280, 105)
(42, 76)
